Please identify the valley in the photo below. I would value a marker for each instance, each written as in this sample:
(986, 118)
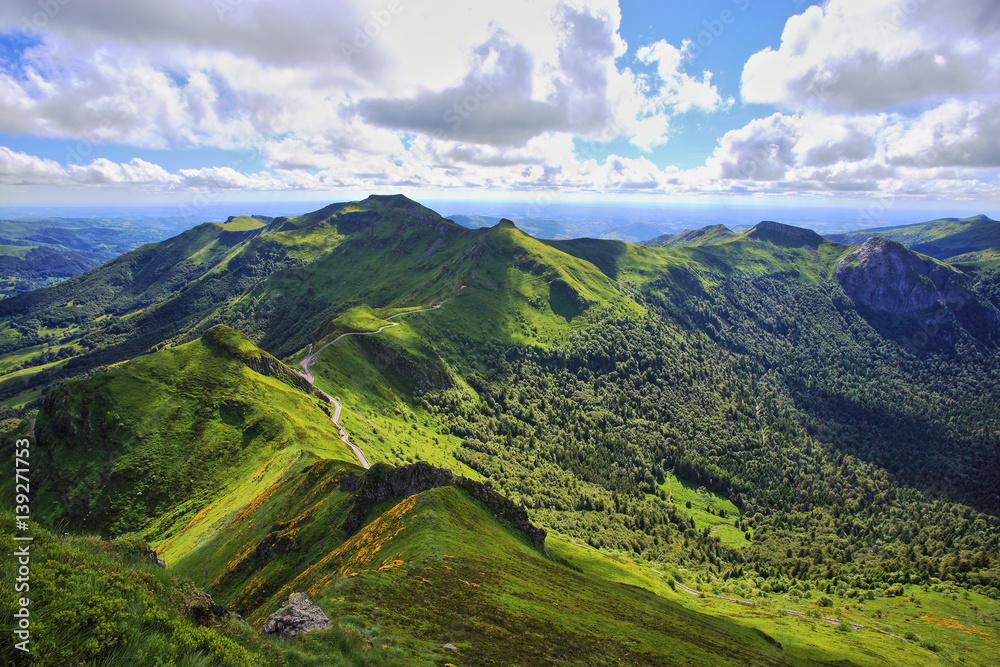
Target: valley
(765, 447)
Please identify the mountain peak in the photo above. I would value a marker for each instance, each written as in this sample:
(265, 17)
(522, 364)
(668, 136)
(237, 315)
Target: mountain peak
(887, 276)
(395, 201)
(784, 235)
(506, 223)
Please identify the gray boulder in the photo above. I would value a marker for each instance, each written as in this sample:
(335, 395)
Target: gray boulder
(297, 614)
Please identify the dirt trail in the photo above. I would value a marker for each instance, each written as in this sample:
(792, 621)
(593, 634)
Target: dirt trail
(307, 374)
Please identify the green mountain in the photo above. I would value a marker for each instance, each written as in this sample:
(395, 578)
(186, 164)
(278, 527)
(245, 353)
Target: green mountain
(570, 440)
(692, 237)
(942, 239)
(39, 252)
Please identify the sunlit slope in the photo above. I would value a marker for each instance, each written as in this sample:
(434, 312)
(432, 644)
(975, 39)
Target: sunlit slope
(766, 249)
(138, 448)
(281, 282)
(945, 238)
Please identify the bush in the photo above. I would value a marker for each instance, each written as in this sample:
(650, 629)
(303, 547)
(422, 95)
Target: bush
(825, 601)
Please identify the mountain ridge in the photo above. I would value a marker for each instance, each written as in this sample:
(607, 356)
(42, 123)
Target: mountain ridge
(730, 417)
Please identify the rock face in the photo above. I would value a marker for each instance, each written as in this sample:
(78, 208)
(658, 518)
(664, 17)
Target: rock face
(383, 482)
(884, 275)
(938, 300)
(297, 614)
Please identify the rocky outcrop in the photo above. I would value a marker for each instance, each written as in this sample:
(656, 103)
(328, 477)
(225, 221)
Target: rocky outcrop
(784, 235)
(203, 610)
(504, 510)
(427, 373)
(937, 299)
(235, 345)
(297, 614)
(153, 558)
(884, 275)
(383, 482)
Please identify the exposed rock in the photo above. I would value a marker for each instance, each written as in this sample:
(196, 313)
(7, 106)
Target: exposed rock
(152, 558)
(450, 647)
(297, 614)
(886, 276)
(504, 510)
(203, 610)
(383, 482)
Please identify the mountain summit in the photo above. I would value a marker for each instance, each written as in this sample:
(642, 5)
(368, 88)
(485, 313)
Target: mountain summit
(784, 235)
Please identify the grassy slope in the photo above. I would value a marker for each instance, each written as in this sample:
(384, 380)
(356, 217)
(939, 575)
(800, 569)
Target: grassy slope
(692, 237)
(171, 433)
(508, 293)
(705, 506)
(241, 223)
(97, 602)
(498, 600)
(941, 239)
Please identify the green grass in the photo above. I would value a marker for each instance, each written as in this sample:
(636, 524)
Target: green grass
(705, 508)
(15, 250)
(97, 602)
(241, 223)
(188, 424)
(22, 399)
(944, 239)
(376, 413)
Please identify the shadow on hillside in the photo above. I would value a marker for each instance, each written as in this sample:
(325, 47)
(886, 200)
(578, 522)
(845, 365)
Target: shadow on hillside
(602, 253)
(917, 451)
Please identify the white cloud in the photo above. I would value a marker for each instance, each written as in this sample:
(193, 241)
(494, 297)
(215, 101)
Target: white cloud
(953, 134)
(342, 75)
(869, 55)
(678, 90)
(19, 168)
(436, 94)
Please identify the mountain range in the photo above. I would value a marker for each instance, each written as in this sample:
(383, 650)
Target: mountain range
(472, 446)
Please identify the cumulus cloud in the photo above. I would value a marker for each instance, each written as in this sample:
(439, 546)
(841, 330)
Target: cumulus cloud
(677, 89)
(872, 96)
(953, 134)
(492, 105)
(870, 55)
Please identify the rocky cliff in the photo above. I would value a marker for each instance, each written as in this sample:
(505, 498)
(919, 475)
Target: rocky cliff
(383, 482)
(884, 275)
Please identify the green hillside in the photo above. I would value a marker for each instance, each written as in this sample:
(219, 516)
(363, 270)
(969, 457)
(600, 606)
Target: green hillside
(941, 239)
(692, 237)
(140, 447)
(838, 453)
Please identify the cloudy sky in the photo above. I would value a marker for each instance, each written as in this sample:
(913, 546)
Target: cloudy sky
(119, 100)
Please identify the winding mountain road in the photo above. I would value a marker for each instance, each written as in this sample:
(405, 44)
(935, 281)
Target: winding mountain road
(310, 359)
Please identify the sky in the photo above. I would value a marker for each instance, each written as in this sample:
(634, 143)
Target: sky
(849, 102)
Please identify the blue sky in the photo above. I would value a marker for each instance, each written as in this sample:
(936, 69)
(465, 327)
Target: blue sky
(723, 101)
